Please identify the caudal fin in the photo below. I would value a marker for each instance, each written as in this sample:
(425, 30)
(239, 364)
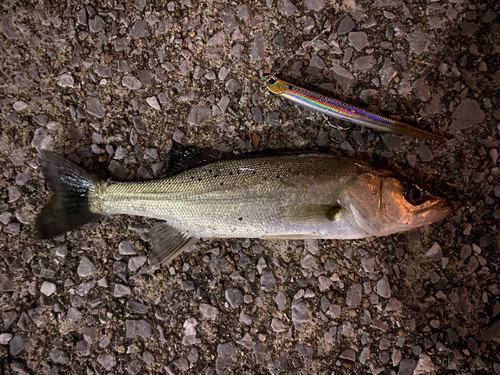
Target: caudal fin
(68, 207)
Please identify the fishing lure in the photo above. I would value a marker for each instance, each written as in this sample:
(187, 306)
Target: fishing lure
(338, 109)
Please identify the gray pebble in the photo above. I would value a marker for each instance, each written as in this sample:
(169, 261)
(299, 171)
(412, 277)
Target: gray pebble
(137, 328)
(407, 366)
(358, 40)
(14, 193)
(140, 29)
(94, 107)
(261, 352)
(107, 360)
(233, 86)
(131, 82)
(234, 297)
(17, 344)
(354, 295)
(224, 352)
(136, 307)
(48, 288)
(346, 25)
(418, 42)
(199, 115)
(137, 262)
(96, 24)
(86, 268)
(383, 287)
(121, 290)
(278, 326)
(209, 312)
(300, 312)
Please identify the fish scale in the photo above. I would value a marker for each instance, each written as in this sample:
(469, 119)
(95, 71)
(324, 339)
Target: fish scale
(244, 199)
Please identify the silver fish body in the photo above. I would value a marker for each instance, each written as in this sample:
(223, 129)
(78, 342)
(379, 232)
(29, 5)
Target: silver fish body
(291, 196)
(247, 198)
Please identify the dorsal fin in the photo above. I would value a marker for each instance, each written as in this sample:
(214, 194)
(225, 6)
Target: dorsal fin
(181, 158)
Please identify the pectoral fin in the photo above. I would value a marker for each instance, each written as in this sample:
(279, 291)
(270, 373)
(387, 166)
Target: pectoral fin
(312, 213)
(167, 243)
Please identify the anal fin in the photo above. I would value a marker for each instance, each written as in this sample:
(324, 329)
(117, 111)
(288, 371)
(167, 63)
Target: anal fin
(167, 243)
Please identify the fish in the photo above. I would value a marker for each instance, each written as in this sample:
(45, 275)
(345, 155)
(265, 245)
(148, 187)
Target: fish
(266, 195)
(343, 111)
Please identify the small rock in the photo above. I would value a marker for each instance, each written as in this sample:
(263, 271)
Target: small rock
(14, 193)
(418, 42)
(233, 86)
(354, 295)
(348, 354)
(287, 8)
(208, 311)
(315, 5)
(125, 247)
(281, 300)
(258, 52)
(343, 76)
(278, 326)
(358, 40)
(261, 352)
(245, 318)
(383, 287)
(234, 297)
(309, 262)
(140, 5)
(199, 115)
(363, 62)
(121, 290)
(267, 280)
(59, 356)
(107, 360)
(65, 80)
(224, 352)
(228, 17)
(467, 114)
(96, 24)
(17, 344)
(94, 107)
(346, 25)
(137, 328)
(86, 268)
(407, 366)
(153, 102)
(131, 82)
(48, 288)
(140, 29)
(435, 252)
(300, 312)
(137, 262)
(421, 90)
(217, 39)
(136, 307)
(424, 153)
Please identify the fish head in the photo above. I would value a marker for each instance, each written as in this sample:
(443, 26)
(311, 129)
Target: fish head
(383, 204)
(273, 84)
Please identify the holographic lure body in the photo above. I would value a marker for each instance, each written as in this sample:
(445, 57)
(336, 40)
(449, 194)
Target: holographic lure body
(343, 111)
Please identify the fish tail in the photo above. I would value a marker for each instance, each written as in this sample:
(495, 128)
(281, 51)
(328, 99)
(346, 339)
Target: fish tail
(70, 204)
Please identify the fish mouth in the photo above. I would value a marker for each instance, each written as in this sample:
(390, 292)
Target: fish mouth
(436, 212)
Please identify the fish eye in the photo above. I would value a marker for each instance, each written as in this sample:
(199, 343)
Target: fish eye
(272, 80)
(414, 194)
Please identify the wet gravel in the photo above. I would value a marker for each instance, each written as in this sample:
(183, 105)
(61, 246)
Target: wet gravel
(112, 86)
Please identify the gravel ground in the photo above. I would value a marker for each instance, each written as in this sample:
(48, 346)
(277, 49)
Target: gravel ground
(111, 85)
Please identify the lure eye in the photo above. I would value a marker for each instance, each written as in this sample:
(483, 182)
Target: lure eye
(272, 80)
(414, 194)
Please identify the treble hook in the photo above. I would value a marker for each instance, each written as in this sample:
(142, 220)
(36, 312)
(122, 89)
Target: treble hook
(338, 127)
